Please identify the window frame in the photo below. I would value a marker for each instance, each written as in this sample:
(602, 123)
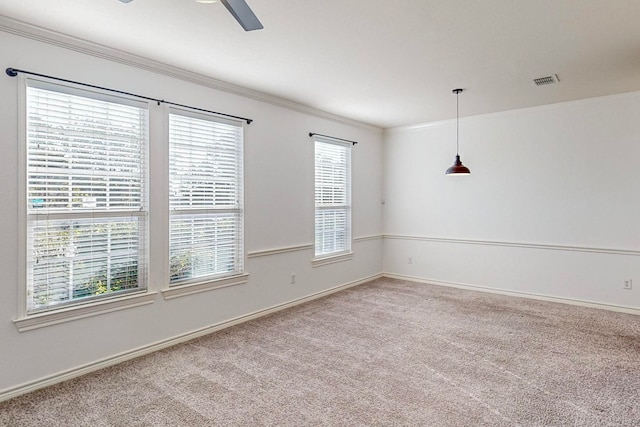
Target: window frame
(88, 306)
(347, 253)
(204, 283)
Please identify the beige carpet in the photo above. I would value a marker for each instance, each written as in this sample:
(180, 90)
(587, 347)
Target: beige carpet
(387, 353)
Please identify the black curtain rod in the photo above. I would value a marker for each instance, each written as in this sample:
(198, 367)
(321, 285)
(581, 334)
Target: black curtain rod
(333, 137)
(13, 72)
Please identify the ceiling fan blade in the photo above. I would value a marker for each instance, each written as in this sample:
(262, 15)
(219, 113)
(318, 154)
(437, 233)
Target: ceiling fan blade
(243, 14)
(241, 11)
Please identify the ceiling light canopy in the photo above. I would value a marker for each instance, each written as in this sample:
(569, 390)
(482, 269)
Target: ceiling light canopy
(458, 168)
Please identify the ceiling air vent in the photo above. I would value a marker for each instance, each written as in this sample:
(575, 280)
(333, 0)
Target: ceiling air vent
(546, 80)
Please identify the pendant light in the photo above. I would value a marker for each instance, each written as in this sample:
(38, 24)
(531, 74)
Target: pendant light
(458, 168)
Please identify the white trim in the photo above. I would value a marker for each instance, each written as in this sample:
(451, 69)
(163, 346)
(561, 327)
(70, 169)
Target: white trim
(545, 246)
(242, 252)
(22, 196)
(48, 318)
(366, 238)
(276, 251)
(159, 345)
(511, 112)
(158, 219)
(53, 38)
(177, 291)
(317, 262)
(286, 249)
(530, 295)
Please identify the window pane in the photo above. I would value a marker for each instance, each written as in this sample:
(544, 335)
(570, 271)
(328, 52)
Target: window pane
(205, 184)
(332, 181)
(84, 154)
(332, 198)
(86, 195)
(72, 259)
(203, 245)
(332, 231)
(205, 163)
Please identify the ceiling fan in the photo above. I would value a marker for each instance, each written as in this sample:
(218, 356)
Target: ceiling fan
(239, 9)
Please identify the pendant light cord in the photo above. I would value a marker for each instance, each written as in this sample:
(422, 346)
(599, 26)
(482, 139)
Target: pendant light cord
(457, 121)
(458, 168)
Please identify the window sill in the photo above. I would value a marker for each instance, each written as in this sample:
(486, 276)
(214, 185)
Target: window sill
(209, 285)
(69, 314)
(331, 259)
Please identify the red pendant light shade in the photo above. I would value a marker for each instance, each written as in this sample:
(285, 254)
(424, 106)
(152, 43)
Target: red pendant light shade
(458, 168)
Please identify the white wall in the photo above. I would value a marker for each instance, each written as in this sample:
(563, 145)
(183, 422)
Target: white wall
(278, 214)
(550, 208)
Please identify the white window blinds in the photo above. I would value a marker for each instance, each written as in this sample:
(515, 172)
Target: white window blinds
(205, 184)
(86, 195)
(332, 197)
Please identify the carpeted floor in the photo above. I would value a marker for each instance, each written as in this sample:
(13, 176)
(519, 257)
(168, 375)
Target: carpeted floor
(387, 353)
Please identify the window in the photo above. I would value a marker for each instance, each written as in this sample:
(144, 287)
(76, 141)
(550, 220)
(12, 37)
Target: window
(332, 197)
(205, 200)
(86, 194)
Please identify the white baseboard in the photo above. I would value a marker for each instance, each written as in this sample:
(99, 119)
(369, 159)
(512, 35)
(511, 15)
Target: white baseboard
(147, 349)
(571, 301)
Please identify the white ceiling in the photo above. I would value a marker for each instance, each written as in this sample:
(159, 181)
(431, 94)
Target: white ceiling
(383, 62)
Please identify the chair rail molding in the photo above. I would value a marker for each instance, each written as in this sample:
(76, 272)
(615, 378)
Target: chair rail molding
(543, 246)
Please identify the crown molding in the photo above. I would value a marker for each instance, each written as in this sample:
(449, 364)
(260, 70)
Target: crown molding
(509, 113)
(43, 35)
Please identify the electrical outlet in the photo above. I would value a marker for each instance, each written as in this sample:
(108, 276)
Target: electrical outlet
(627, 284)
(293, 278)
